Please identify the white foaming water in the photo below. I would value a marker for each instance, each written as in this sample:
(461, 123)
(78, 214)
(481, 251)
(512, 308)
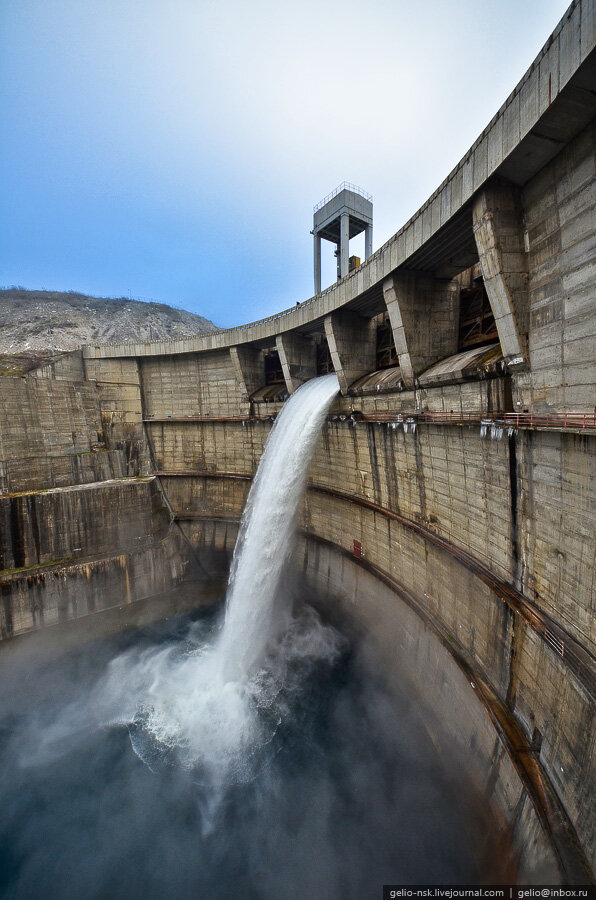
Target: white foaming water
(213, 705)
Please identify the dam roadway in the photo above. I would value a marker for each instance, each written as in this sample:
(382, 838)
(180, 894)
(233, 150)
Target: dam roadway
(450, 508)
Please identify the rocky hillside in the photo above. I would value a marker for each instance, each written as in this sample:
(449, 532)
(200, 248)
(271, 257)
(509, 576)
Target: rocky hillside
(46, 322)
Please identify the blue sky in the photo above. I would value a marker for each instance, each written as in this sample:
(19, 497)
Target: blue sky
(174, 149)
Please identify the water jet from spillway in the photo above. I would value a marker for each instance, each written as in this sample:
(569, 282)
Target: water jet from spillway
(216, 703)
(265, 542)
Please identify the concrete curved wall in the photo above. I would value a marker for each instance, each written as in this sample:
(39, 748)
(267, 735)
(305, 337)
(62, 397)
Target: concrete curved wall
(462, 716)
(455, 514)
(436, 517)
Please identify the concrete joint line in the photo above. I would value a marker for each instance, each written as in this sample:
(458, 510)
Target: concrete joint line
(573, 654)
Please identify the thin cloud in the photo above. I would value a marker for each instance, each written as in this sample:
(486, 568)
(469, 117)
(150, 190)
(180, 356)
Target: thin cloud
(175, 149)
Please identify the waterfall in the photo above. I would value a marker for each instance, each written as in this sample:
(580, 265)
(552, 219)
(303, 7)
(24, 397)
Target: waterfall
(254, 612)
(213, 703)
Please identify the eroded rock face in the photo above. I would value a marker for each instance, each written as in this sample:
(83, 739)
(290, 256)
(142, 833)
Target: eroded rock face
(49, 321)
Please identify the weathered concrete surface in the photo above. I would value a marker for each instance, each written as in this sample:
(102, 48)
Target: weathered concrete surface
(208, 446)
(560, 211)
(298, 359)
(118, 387)
(201, 384)
(424, 313)
(81, 529)
(498, 229)
(55, 594)
(489, 534)
(69, 367)
(351, 341)
(522, 504)
(92, 519)
(412, 653)
(50, 430)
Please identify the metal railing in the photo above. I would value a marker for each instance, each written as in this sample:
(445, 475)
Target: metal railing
(516, 420)
(344, 186)
(556, 420)
(577, 421)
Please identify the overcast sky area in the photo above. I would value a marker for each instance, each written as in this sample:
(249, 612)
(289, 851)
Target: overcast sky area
(174, 149)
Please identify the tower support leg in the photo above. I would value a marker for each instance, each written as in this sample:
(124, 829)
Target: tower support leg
(317, 259)
(344, 244)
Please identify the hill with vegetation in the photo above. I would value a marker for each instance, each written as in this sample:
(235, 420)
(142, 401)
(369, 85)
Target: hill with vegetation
(36, 326)
(50, 320)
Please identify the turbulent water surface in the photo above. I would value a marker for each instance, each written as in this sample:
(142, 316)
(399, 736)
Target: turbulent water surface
(337, 791)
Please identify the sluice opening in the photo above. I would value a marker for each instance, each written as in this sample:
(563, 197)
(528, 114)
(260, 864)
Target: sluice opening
(324, 362)
(386, 353)
(477, 325)
(273, 370)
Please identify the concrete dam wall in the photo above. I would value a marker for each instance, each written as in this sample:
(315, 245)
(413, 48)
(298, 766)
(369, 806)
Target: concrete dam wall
(83, 524)
(450, 507)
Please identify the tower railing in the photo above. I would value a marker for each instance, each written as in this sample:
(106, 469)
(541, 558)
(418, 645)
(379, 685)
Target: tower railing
(344, 186)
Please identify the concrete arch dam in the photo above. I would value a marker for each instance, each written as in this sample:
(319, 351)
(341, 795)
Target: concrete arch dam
(450, 506)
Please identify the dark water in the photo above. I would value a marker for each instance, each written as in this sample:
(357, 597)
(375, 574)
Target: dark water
(348, 795)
